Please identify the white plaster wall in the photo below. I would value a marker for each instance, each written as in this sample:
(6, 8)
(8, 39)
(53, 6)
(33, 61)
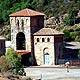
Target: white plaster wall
(39, 47)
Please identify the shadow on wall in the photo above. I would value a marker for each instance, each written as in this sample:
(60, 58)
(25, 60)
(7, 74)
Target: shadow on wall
(27, 60)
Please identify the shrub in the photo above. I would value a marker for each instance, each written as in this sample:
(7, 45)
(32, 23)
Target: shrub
(15, 61)
(73, 35)
(66, 35)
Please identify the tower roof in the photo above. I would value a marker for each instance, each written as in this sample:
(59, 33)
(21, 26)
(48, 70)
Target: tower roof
(26, 12)
(48, 31)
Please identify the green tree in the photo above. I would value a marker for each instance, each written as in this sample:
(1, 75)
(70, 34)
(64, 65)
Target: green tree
(15, 61)
(70, 19)
(73, 35)
(66, 35)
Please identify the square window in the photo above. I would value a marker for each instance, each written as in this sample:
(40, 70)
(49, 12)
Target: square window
(37, 39)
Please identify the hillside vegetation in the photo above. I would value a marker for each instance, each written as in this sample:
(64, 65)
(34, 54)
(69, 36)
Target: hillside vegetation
(49, 7)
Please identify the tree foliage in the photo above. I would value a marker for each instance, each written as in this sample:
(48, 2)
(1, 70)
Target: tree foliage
(72, 33)
(14, 61)
(49, 7)
(70, 19)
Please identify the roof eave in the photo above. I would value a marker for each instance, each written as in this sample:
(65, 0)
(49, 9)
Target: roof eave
(25, 16)
(46, 34)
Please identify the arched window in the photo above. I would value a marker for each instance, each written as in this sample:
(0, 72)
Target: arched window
(11, 20)
(26, 20)
(43, 40)
(22, 24)
(48, 39)
(37, 39)
(17, 24)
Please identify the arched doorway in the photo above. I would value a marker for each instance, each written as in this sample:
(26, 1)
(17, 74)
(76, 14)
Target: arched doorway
(46, 59)
(46, 56)
(20, 41)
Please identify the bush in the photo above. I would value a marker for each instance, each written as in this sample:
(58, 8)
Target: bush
(15, 61)
(66, 35)
(73, 35)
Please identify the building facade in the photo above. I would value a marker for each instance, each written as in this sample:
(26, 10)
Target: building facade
(48, 46)
(25, 26)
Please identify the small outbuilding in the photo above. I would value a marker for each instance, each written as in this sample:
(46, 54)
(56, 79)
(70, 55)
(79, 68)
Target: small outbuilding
(48, 46)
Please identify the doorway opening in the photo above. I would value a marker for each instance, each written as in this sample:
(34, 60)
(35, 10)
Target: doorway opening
(46, 59)
(26, 59)
(46, 56)
(20, 41)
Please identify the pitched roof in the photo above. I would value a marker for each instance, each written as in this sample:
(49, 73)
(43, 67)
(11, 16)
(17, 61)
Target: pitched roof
(72, 45)
(48, 31)
(26, 12)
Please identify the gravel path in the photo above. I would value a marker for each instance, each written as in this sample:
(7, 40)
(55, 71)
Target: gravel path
(53, 73)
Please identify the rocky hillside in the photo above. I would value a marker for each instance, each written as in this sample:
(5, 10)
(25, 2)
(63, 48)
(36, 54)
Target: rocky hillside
(51, 8)
(71, 33)
(5, 31)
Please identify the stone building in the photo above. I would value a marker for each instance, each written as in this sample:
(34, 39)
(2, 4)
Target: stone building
(25, 26)
(48, 46)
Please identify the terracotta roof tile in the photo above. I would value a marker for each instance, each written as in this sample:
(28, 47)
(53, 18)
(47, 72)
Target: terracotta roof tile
(26, 12)
(48, 31)
(21, 52)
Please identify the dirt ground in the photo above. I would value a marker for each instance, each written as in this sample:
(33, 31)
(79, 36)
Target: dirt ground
(9, 76)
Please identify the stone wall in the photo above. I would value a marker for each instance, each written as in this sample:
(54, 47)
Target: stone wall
(31, 25)
(58, 46)
(15, 29)
(39, 49)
